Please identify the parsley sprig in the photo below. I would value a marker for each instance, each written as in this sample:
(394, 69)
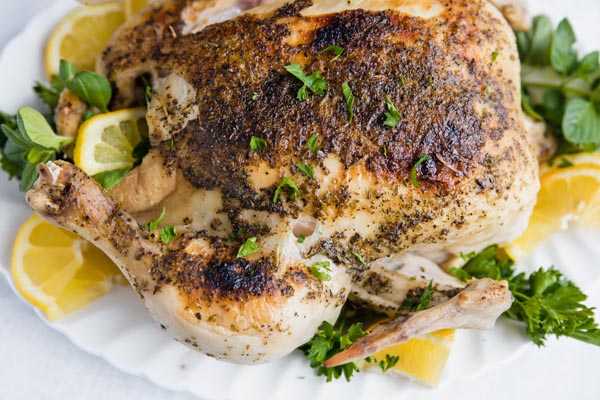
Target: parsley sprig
(315, 81)
(547, 302)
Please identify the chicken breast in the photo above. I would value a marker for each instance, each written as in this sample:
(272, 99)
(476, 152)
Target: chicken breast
(430, 157)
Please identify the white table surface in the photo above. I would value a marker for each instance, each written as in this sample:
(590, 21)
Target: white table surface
(39, 363)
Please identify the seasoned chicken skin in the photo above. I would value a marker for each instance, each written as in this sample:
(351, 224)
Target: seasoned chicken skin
(366, 202)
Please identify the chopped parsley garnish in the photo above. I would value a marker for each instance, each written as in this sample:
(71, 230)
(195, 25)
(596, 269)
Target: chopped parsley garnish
(147, 90)
(318, 270)
(301, 238)
(547, 302)
(359, 258)
(152, 225)
(349, 97)
(168, 233)
(423, 302)
(315, 81)
(248, 247)
(337, 50)
(328, 341)
(254, 96)
(312, 143)
(257, 144)
(494, 56)
(389, 362)
(307, 169)
(392, 117)
(294, 192)
(170, 143)
(384, 150)
(413, 171)
(402, 80)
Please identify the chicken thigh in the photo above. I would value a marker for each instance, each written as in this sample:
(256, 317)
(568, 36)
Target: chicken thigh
(428, 159)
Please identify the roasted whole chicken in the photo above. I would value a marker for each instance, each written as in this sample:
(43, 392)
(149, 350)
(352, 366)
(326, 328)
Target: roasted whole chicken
(311, 181)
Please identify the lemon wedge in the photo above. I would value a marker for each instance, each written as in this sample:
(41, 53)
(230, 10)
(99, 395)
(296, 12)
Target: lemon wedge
(81, 36)
(57, 271)
(422, 358)
(133, 6)
(569, 196)
(106, 142)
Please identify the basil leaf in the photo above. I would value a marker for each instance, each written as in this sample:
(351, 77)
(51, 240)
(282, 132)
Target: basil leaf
(37, 155)
(168, 234)
(581, 122)
(17, 137)
(109, 179)
(247, 248)
(36, 127)
(66, 71)
(540, 41)
(562, 55)
(28, 177)
(92, 88)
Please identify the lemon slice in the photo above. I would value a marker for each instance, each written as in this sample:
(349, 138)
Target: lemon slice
(421, 358)
(57, 271)
(82, 35)
(106, 142)
(133, 6)
(569, 196)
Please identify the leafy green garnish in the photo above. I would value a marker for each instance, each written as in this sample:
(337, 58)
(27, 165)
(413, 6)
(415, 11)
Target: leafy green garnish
(294, 192)
(307, 169)
(257, 143)
(423, 302)
(349, 97)
(28, 142)
(392, 117)
(89, 86)
(359, 258)
(389, 362)
(413, 171)
(248, 247)
(109, 179)
(50, 95)
(558, 87)
(168, 234)
(147, 89)
(315, 81)
(318, 268)
(494, 56)
(328, 341)
(547, 302)
(312, 143)
(152, 225)
(301, 238)
(337, 50)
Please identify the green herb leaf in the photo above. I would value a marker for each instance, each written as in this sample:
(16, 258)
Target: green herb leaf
(389, 362)
(318, 268)
(254, 96)
(168, 234)
(315, 81)
(337, 50)
(588, 65)
(562, 55)
(49, 95)
(581, 122)
(312, 143)
(307, 169)
(349, 97)
(294, 192)
(545, 301)
(89, 86)
(425, 298)
(109, 179)
(301, 238)
(147, 89)
(28, 177)
(330, 340)
(494, 56)
(540, 39)
(248, 247)
(359, 258)
(170, 143)
(37, 129)
(413, 171)
(152, 225)
(392, 117)
(257, 144)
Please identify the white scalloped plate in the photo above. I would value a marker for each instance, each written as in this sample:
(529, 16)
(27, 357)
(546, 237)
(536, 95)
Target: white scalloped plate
(117, 327)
